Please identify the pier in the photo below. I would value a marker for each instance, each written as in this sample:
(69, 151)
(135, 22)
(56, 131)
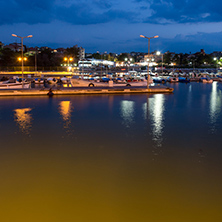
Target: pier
(83, 91)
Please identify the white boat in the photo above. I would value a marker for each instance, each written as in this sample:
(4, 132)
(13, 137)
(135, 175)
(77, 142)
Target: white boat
(77, 82)
(64, 80)
(51, 80)
(15, 85)
(142, 82)
(173, 79)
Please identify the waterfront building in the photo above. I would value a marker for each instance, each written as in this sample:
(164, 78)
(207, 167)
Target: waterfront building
(89, 63)
(81, 53)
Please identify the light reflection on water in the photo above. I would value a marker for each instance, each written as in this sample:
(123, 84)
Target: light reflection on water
(215, 105)
(23, 119)
(106, 172)
(65, 109)
(127, 112)
(156, 110)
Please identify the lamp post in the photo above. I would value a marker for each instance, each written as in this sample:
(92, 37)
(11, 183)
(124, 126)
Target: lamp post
(127, 65)
(215, 59)
(148, 65)
(36, 61)
(159, 53)
(29, 36)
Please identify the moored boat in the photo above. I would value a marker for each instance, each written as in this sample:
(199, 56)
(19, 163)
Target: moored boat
(172, 79)
(78, 82)
(51, 80)
(206, 80)
(14, 85)
(184, 79)
(64, 80)
(158, 79)
(38, 80)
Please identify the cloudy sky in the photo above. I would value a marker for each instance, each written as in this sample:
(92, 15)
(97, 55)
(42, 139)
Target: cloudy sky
(115, 25)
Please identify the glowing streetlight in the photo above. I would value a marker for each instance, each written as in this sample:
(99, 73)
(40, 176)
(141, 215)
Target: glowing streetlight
(159, 53)
(215, 59)
(148, 65)
(22, 59)
(70, 59)
(128, 62)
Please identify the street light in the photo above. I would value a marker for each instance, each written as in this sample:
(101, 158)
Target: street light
(20, 59)
(148, 65)
(215, 59)
(29, 36)
(159, 53)
(127, 64)
(68, 59)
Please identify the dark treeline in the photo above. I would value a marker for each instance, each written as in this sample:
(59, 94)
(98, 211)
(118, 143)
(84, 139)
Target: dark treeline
(43, 57)
(46, 57)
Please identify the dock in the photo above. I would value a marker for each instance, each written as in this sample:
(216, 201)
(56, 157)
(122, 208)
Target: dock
(83, 91)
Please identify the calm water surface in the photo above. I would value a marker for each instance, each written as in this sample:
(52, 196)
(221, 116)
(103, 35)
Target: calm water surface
(111, 158)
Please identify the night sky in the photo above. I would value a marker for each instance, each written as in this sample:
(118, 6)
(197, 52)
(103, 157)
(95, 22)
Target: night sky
(114, 25)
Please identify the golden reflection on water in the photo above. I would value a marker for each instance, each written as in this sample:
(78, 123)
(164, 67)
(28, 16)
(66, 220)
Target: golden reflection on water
(24, 119)
(65, 109)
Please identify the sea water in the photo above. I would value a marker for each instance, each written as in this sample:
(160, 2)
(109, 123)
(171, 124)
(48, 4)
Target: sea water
(113, 158)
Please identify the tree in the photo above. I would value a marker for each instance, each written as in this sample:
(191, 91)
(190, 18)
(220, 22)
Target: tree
(7, 57)
(122, 57)
(73, 52)
(96, 56)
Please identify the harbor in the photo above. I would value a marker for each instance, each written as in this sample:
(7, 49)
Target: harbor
(110, 111)
(68, 83)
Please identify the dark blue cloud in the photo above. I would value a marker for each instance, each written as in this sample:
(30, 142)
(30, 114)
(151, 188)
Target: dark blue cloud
(19, 11)
(83, 12)
(184, 11)
(81, 15)
(191, 43)
(80, 12)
